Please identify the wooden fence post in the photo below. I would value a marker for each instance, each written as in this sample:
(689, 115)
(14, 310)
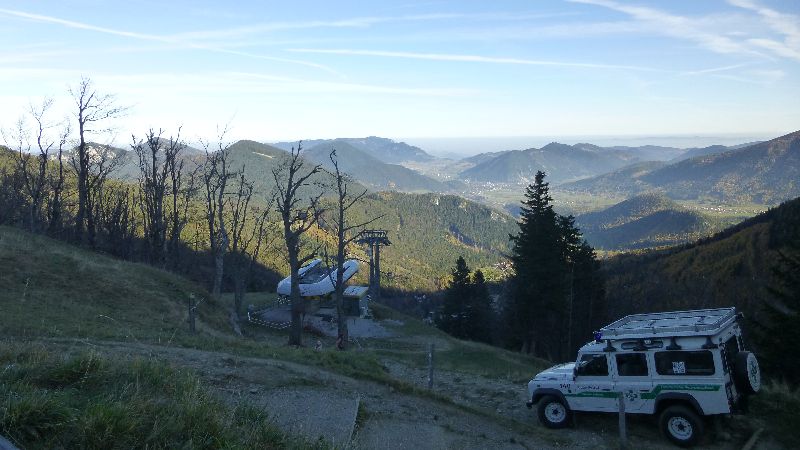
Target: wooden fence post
(430, 367)
(623, 432)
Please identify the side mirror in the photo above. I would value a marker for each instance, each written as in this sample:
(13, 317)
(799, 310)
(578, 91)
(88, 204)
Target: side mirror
(574, 373)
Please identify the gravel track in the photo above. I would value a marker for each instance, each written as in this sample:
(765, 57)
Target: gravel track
(488, 414)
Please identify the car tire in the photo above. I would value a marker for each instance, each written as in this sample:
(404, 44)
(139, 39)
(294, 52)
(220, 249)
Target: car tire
(682, 426)
(553, 412)
(746, 373)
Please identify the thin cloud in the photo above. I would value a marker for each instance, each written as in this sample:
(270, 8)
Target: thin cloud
(357, 22)
(677, 26)
(249, 83)
(305, 85)
(468, 58)
(787, 25)
(156, 38)
(716, 69)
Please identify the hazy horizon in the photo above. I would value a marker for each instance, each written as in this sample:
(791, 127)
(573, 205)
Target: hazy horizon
(469, 146)
(452, 147)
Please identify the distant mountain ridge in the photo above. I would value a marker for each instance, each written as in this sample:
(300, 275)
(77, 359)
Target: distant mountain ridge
(383, 149)
(562, 163)
(370, 170)
(766, 172)
(647, 220)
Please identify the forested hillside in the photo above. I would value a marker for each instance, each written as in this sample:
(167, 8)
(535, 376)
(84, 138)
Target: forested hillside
(732, 268)
(561, 163)
(371, 171)
(647, 220)
(430, 231)
(765, 173)
(621, 181)
(385, 150)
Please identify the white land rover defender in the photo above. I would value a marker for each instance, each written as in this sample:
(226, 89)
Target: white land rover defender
(680, 366)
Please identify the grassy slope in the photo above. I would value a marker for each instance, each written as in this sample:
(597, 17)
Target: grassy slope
(87, 401)
(54, 290)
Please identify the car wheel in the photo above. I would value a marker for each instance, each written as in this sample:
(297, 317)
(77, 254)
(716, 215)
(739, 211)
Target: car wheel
(681, 425)
(746, 373)
(553, 413)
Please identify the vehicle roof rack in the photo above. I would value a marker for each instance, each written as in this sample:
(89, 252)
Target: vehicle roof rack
(703, 322)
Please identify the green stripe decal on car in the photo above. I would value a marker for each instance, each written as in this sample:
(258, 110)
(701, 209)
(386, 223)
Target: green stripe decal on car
(601, 394)
(652, 394)
(680, 387)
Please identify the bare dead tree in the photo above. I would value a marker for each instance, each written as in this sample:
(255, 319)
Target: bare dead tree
(12, 185)
(160, 175)
(116, 218)
(24, 171)
(246, 242)
(345, 235)
(11, 197)
(152, 189)
(55, 207)
(92, 109)
(103, 160)
(183, 187)
(298, 216)
(215, 180)
(239, 241)
(34, 168)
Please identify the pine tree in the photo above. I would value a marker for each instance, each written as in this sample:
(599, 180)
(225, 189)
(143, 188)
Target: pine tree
(453, 316)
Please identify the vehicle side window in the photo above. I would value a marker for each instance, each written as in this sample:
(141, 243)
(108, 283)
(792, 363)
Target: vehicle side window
(632, 365)
(699, 362)
(595, 365)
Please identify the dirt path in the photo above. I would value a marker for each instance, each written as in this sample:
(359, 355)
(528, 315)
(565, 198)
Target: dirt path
(320, 404)
(507, 399)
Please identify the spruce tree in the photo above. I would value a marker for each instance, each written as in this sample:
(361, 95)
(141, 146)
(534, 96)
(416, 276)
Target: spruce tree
(454, 313)
(583, 284)
(481, 318)
(536, 304)
(557, 287)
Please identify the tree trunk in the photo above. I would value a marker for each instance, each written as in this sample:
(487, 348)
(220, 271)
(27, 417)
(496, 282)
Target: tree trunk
(296, 330)
(234, 319)
(219, 261)
(239, 291)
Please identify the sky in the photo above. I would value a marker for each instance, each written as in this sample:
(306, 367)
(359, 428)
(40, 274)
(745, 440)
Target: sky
(422, 71)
